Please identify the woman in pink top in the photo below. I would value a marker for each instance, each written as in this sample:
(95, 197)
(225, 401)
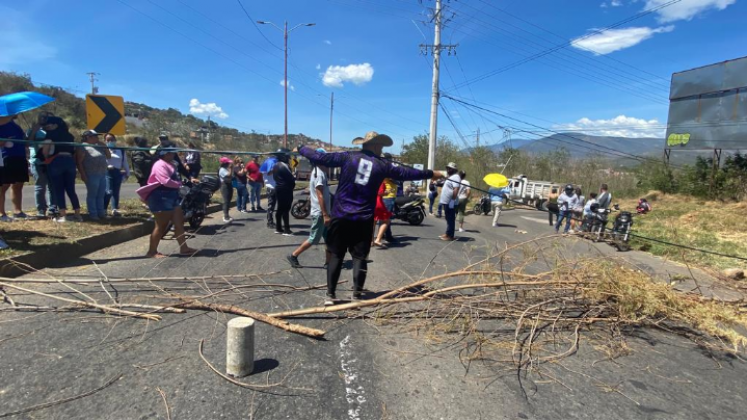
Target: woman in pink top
(162, 196)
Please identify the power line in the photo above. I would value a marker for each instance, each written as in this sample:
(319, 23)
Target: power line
(255, 25)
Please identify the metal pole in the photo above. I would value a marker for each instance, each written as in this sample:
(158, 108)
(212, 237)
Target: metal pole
(331, 113)
(285, 135)
(435, 93)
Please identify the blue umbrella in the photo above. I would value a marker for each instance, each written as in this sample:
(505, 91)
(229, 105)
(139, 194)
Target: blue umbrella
(19, 102)
(268, 164)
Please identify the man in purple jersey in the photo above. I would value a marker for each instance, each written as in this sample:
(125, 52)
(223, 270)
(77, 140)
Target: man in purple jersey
(351, 228)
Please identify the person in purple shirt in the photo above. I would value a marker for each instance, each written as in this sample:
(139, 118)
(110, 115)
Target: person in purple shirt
(351, 227)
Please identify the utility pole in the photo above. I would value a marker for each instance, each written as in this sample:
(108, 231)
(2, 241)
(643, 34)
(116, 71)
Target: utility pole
(331, 113)
(478, 136)
(92, 76)
(436, 51)
(285, 32)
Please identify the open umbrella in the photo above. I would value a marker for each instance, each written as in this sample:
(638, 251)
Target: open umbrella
(496, 180)
(268, 164)
(19, 102)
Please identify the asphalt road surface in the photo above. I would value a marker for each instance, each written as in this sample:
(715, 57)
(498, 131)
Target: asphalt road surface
(362, 370)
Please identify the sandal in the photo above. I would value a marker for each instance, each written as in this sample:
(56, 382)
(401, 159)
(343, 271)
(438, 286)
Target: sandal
(157, 255)
(380, 245)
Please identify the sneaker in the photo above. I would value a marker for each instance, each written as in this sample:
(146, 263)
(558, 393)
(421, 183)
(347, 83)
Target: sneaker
(260, 209)
(430, 213)
(40, 215)
(288, 233)
(116, 213)
(357, 296)
(495, 225)
(461, 230)
(227, 219)
(438, 216)
(20, 215)
(293, 260)
(330, 300)
(447, 238)
(62, 219)
(5, 218)
(278, 232)
(253, 209)
(271, 226)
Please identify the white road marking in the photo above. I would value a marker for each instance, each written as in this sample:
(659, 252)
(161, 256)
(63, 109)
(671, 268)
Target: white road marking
(354, 393)
(534, 219)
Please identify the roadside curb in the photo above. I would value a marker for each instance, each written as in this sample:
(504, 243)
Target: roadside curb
(58, 254)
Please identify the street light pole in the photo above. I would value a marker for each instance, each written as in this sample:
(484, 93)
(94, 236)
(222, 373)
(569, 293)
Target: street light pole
(285, 32)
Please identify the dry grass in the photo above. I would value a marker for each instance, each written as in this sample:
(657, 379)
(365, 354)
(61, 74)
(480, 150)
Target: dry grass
(34, 235)
(713, 225)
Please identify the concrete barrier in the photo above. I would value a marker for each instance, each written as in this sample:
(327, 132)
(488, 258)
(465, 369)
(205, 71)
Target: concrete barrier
(240, 347)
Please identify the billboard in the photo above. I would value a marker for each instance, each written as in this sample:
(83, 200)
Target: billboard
(708, 107)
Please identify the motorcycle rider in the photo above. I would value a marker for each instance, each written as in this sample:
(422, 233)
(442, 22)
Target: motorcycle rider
(320, 208)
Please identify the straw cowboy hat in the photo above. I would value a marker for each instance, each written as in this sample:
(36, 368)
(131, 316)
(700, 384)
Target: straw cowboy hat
(374, 138)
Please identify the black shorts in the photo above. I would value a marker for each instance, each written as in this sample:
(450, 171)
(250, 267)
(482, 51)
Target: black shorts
(350, 236)
(15, 170)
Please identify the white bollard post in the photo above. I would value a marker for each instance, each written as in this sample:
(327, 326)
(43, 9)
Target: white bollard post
(240, 347)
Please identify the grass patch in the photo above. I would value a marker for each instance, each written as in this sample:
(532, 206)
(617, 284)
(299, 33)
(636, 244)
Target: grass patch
(712, 225)
(34, 235)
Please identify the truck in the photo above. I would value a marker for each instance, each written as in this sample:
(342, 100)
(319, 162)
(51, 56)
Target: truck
(531, 193)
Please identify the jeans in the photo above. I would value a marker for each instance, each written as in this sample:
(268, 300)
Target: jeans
(95, 195)
(432, 198)
(242, 196)
(389, 204)
(440, 207)
(113, 185)
(226, 191)
(42, 191)
(271, 198)
(255, 191)
(450, 220)
(497, 207)
(564, 214)
(62, 173)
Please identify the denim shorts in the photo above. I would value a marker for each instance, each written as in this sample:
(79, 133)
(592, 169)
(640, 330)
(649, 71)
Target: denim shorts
(163, 199)
(318, 230)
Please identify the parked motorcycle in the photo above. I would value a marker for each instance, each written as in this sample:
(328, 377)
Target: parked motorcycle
(409, 209)
(620, 234)
(301, 209)
(596, 226)
(195, 198)
(483, 207)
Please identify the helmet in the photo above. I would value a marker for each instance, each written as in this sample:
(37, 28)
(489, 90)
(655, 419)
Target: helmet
(569, 188)
(282, 154)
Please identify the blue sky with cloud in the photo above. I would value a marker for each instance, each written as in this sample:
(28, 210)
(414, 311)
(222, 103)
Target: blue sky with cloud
(555, 64)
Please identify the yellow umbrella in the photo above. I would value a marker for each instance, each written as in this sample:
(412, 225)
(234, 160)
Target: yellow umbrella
(496, 180)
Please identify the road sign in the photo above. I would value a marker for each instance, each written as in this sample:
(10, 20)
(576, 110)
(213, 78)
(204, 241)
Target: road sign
(105, 114)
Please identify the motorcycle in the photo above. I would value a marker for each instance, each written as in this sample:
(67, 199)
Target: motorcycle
(483, 207)
(301, 209)
(409, 209)
(620, 234)
(195, 198)
(596, 226)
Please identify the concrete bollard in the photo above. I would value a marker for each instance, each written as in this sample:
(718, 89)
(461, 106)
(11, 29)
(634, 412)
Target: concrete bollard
(240, 347)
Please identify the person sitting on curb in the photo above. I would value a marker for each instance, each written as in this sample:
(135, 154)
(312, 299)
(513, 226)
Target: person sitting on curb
(320, 218)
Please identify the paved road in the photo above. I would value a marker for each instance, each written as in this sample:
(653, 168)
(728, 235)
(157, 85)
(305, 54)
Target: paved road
(128, 191)
(362, 370)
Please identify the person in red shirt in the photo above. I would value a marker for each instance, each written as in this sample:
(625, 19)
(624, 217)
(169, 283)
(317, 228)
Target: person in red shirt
(255, 183)
(381, 215)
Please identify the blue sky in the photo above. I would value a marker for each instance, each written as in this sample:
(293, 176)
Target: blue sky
(170, 53)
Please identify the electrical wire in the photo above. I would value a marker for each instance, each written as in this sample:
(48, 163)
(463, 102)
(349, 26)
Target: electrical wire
(255, 25)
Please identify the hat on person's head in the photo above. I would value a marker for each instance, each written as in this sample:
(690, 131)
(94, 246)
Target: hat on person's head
(163, 151)
(373, 137)
(225, 160)
(452, 165)
(90, 133)
(163, 136)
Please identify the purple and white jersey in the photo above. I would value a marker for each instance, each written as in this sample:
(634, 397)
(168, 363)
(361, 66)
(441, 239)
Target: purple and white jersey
(361, 175)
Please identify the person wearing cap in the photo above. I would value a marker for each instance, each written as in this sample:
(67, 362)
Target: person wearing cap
(351, 227)
(285, 183)
(320, 217)
(163, 141)
(161, 193)
(566, 202)
(193, 161)
(225, 173)
(118, 170)
(61, 167)
(91, 161)
(449, 200)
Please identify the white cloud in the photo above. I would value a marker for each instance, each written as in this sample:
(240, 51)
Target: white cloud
(328, 42)
(19, 44)
(620, 126)
(291, 87)
(211, 109)
(358, 74)
(685, 9)
(612, 3)
(612, 40)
